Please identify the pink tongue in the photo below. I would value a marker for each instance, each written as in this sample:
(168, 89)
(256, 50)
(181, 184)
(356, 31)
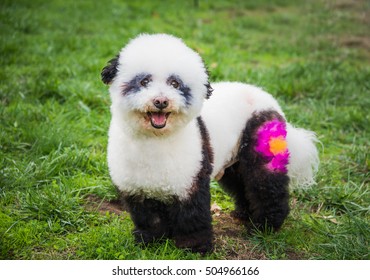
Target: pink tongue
(159, 118)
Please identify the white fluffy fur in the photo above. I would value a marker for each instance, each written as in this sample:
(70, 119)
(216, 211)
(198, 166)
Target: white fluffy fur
(159, 162)
(151, 165)
(160, 55)
(304, 158)
(162, 162)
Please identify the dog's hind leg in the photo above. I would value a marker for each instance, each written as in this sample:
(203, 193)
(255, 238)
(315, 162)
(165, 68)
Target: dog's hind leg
(232, 183)
(261, 173)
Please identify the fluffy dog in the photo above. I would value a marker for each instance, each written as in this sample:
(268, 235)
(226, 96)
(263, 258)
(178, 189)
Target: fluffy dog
(167, 141)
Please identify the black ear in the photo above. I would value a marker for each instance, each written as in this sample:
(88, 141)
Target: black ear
(109, 72)
(208, 85)
(209, 90)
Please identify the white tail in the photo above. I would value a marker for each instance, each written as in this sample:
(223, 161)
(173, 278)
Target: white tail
(304, 160)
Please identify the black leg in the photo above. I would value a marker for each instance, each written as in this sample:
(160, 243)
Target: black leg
(268, 197)
(150, 217)
(259, 181)
(232, 183)
(192, 221)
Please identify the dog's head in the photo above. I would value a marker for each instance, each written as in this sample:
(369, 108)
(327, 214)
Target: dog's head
(157, 84)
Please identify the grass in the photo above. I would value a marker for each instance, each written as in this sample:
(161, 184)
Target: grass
(54, 115)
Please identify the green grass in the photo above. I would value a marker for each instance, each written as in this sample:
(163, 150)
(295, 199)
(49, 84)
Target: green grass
(54, 115)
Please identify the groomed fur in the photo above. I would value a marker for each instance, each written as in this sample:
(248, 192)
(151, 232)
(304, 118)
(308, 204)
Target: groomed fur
(261, 194)
(166, 143)
(304, 159)
(187, 221)
(231, 106)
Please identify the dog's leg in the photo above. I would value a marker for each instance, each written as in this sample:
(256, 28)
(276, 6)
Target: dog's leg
(193, 223)
(150, 217)
(262, 170)
(232, 183)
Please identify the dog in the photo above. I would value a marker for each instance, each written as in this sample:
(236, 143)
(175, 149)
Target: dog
(172, 132)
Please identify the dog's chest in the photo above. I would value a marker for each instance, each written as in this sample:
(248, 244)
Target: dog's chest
(155, 166)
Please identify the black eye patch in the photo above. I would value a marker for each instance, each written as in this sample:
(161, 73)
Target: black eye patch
(175, 82)
(137, 83)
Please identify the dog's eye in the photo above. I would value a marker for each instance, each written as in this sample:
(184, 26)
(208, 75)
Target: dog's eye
(175, 84)
(144, 82)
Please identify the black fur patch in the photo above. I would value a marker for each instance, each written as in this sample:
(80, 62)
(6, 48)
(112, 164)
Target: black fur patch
(207, 150)
(209, 90)
(208, 85)
(110, 71)
(188, 221)
(182, 88)
(261, 196)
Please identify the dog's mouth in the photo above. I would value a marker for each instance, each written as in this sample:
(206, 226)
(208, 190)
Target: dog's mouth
(158, 119)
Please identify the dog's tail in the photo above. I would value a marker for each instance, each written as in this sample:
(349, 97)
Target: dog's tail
(304, 159)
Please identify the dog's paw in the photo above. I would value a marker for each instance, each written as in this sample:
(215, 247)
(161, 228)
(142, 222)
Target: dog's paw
(241, 216)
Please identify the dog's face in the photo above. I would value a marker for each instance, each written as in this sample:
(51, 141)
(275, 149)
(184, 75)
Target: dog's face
(157, 85)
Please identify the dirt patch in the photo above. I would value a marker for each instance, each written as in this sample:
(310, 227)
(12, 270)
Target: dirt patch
(358, 8)
(356, 42)
(346, 4)
(230, 239)
(359, 43)
(94, 203)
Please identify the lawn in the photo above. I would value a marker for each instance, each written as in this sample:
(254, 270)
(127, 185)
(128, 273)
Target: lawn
(56, 197)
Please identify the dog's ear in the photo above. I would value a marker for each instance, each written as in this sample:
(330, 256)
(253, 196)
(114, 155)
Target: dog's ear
(209, 90)
(109, 72)
(208, 85)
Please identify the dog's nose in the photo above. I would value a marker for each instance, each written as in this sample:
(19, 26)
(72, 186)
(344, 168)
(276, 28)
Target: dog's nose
(160, 102)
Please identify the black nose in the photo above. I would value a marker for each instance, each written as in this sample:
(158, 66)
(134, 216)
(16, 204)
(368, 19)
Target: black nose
(160, 102)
